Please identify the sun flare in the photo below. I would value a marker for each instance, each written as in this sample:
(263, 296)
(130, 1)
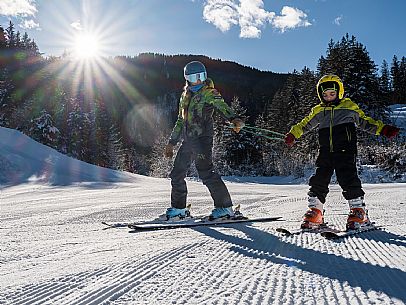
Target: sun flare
(86, 46)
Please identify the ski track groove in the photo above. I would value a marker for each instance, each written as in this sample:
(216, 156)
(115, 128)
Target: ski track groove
(111, 291)
(66, 293)
(39, 293)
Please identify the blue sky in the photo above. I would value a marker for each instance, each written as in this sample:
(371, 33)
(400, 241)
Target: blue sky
(277, 36)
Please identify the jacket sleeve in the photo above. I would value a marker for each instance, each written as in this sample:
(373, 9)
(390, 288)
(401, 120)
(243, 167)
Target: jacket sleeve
(308, 123)
(220, 105)
(180, 122)
(365, 122)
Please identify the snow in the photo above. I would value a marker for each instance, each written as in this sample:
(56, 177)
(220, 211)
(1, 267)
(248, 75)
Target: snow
(54, 249)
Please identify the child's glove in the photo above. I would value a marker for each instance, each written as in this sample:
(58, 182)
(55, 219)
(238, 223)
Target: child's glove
(289, 139)
(168, 153)
(390, 131)
(238, 124)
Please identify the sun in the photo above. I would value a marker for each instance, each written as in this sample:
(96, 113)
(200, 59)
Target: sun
(86, 46)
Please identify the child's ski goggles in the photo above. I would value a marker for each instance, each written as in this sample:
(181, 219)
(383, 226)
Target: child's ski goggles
(193, 78)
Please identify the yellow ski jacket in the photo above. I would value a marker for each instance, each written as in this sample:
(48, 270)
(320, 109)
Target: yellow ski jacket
(336, 124)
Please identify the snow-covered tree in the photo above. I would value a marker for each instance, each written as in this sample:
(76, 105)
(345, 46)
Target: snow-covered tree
(398, 74)
(43, 129)
(78, 129)
(234, 153)
(350, 60)
(160, 166)
(115, 151)
(290, 105)
(385, 84)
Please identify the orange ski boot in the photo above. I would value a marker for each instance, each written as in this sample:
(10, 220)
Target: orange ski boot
(358, 216)
(313, 218)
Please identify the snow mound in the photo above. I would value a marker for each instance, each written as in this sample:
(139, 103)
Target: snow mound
(24, 160)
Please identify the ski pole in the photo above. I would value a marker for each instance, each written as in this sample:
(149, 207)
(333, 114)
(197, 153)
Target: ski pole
(265, 130)
(261, 135)
(264, 136)
(259, 129)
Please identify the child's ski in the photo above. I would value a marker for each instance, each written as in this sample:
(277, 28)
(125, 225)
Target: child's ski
(328, 232)
(291, 232)
(341, 234)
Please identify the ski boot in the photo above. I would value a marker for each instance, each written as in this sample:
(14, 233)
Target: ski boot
(313, 218)
(221, 213)
(175, 214)
(358, 216)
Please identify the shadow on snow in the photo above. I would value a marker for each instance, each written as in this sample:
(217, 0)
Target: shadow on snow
(262, 245)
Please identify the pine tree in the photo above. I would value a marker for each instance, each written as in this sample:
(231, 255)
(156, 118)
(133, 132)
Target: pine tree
(160, 166)
(76, 140)
(7, 107)
(290, 105)
(6, 84)
(11, 36)
(234, 153)
(402, 80)
(268, 149)
(350, 60)
(385, 86)
(115, 151)
(43, 129)
(100, 135)
(3, 40)
(396, 79)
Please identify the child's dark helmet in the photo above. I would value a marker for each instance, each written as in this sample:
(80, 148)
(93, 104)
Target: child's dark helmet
(330, 82)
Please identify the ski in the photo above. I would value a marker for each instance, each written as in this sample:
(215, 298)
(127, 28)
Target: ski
(115, 225)
(158, 220)
(342, 234)
(196, 222)
(291, 232)
(118, 225)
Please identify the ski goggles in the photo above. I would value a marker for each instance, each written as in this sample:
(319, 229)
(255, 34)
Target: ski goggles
(193, 78)
(328, 86)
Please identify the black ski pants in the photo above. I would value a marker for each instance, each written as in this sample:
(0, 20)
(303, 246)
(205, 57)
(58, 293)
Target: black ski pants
(344, 165)
(199, 149)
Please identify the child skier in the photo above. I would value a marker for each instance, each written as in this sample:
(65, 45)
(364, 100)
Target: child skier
(336, 118)
(195, 125)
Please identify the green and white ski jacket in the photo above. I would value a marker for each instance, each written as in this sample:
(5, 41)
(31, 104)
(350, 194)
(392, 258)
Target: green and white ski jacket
(195, 118)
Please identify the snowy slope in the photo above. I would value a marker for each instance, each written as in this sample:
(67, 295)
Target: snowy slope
(24, 160)
(54, 249)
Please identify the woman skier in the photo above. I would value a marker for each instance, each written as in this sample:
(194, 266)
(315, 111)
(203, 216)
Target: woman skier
(197, 104)
(336, 118)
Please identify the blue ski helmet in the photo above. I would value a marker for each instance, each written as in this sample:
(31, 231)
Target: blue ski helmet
(194, 71)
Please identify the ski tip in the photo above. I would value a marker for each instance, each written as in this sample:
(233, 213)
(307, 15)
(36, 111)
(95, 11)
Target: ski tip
(283, 231)
(330, 235)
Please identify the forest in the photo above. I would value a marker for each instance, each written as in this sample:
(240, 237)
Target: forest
(118, 112)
